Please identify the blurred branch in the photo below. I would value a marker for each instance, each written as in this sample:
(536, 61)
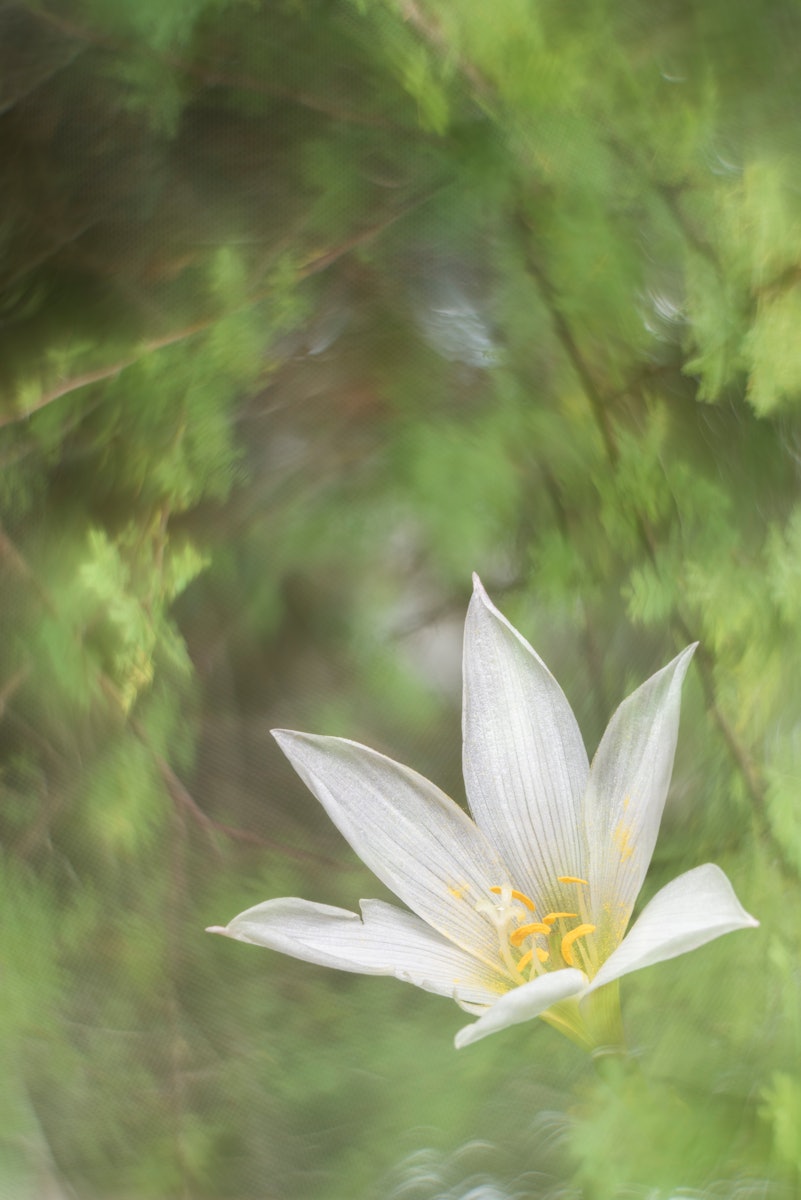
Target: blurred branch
(704, 659)
(89, 377)
(177, 791)
(20, 567)
(570, 347)
(430, 31)
(36, 80)
(50, 251)
(428, 28)
(671, 198)
(670, 194)
(592, 653)
(10, 686)
(319, 263)
(248, 83)
(211, 77)
(184, 801)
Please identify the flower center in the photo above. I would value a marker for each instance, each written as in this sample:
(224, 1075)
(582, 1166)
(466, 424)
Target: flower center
(531, 945)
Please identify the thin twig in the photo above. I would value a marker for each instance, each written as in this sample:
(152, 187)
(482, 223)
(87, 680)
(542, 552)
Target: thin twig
(176, 789)
(109, 372)
(211, 77)
(249, 83)
(705, 661)
(10, 686)
(429, 29)
(318, 264)
(183, 800)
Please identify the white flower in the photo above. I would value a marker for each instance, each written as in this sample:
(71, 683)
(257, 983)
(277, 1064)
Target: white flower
(522, 911)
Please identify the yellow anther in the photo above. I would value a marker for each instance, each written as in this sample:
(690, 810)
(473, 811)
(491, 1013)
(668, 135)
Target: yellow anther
(516, 896)
(525, 931)
(571, 879)
(542, 955)
(569, 939)
(551, 917)
(525, 960)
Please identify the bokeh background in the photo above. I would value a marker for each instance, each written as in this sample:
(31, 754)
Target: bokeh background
(308, 309)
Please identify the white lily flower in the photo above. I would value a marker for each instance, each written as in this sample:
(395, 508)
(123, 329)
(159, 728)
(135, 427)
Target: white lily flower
(522, 911)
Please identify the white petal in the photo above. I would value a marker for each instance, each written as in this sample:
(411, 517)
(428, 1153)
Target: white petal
(409, 833)
(689, 911)
(386, 941)
(525, 765)
(523, 1003)
(475, 1010)
(628, 783)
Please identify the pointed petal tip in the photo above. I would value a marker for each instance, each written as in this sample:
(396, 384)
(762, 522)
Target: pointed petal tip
(216, 929)
(683, 659)
(677, 667)
(692, 910)
(278, 734)
(287, 738)
(480, 592)
(481, 600)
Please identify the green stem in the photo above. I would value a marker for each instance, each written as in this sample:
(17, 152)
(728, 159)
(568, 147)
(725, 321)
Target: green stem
(604, 1023)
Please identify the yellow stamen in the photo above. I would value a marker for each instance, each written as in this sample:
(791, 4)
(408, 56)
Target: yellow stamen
(569, 939)
(523, 932)
(571, 879)
(516, 896)
(551, 917)
(525, 960)
(542, 955)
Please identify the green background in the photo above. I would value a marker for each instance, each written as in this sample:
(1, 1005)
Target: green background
(308, 309)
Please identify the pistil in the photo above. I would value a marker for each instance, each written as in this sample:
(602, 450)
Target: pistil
(521, 896)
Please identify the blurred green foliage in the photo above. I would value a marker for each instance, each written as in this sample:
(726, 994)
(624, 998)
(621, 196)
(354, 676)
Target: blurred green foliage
(307, 309)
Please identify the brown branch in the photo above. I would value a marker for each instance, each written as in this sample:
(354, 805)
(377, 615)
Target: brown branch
(183, 800)
(177, 791)
(591, 650)
(10, 686)
(249, 83)
(321, 263)
(704, 659)
(431, 32)
(564, 336)
(669, 193)
(19, 565)
(45, 255)
(670, 196)
(88, 378)
(211, 77)
(35, 81)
